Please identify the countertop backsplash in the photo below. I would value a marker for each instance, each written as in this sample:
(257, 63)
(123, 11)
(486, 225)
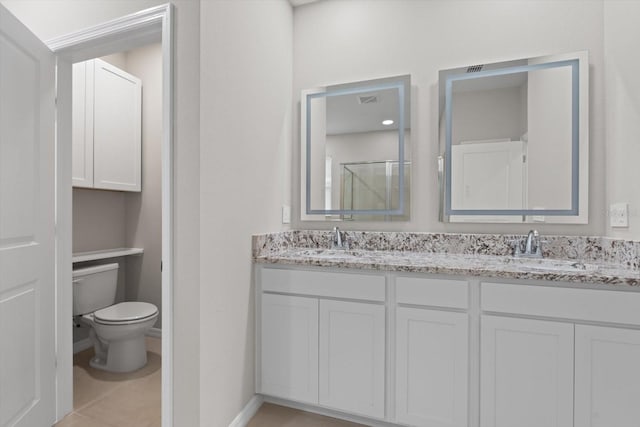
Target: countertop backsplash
(589, 249)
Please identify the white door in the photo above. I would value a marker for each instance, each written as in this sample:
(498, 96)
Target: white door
(607, 377)
(526, 373)
(352, 357)
(27, 354)
(432, 359)
(289, 365)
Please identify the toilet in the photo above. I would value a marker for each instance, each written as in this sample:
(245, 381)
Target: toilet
(117, 330)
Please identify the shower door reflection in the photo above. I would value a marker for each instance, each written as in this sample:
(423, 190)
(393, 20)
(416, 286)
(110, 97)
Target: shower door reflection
(373, 185)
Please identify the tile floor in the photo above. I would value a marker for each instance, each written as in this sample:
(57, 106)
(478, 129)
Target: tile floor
(104, 399)
(270, 415)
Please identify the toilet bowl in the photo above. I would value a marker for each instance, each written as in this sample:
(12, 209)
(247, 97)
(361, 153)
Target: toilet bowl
(117, 331)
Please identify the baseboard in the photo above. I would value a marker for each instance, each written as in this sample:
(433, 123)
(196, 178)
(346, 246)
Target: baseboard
(328, 412)
(247, 412)
(154, 332)
(81, 345)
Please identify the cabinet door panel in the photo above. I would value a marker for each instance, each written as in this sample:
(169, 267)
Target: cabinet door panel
(116, 128)
(352, 357)
(82, 125)
(289, 367)
(432, 368)
(607, 377)
(526, 373)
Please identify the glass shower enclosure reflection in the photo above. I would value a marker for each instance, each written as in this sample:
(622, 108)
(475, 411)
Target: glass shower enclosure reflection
(373, 185)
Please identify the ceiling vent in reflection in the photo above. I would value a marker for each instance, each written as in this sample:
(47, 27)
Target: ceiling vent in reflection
(474, 68)
(368, 99)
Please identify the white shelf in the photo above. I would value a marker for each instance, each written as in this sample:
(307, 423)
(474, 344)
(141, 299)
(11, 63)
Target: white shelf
(105, 254)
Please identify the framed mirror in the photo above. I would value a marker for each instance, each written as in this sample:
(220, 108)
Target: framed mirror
(516, 140)
(354, 156)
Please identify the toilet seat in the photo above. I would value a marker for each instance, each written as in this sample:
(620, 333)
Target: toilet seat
(125, 313)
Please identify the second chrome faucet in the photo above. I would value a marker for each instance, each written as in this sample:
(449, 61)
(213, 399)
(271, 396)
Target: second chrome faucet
(532, 246)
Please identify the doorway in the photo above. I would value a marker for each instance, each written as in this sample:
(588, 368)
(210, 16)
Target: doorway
(123, 34)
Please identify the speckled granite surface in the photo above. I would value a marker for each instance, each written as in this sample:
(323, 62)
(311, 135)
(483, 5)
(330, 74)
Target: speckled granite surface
(600, 260)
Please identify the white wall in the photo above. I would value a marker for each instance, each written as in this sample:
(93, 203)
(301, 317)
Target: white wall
(622, 74)
(52, 18)
(143, 216)
(488, 114)
(342, 41)
(245, 122)
(549, 135)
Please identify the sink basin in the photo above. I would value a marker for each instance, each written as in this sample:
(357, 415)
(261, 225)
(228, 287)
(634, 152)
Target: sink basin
(327, 253)
(546, 264)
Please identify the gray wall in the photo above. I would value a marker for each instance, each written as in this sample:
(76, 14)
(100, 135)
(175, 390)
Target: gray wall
(245, 117)
(143, 211)
(622, 63)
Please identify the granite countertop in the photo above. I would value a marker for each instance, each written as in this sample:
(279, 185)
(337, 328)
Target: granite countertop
(507, 267)
(606, 261)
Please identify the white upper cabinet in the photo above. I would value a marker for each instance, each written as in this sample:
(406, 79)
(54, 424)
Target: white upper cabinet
(107, 119)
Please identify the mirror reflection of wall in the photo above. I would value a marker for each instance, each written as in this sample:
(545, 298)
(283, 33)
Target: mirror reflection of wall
(351, 134)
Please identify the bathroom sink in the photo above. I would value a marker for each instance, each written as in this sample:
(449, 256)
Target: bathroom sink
(546, 264)
(327, 253)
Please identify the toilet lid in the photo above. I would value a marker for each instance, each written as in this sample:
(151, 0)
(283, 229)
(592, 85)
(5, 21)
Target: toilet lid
(126, 312)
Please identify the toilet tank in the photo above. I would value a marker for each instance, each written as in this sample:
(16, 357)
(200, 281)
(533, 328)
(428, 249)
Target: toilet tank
(94, 288)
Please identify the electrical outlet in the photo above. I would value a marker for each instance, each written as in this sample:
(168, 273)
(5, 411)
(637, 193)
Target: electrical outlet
(286, 214)
(619, 215)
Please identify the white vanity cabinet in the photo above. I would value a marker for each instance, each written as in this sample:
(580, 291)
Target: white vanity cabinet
(563, 370)
(289, 362)
(607, 366)
(352, 357)
(106, 135)
(323, 339)
(526, 373)
(426, 350)
(432, 352)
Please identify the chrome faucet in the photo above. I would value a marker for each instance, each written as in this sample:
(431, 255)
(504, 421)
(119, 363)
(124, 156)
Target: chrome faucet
(532, 246)
(337, 242)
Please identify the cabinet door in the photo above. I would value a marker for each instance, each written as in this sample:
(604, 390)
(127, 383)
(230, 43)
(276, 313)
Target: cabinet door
(607, 377)
(289, 365)
(116, 128)
(352, 357)
(432, 368)
(526, 373)
(82, 126)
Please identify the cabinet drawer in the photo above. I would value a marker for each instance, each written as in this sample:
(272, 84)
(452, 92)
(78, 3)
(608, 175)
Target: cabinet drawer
(324, 284)
(568, 303)
(432, 292)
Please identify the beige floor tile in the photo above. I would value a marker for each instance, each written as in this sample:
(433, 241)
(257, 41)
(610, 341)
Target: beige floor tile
(76, 420)
(154, 345)
(134, 404)
(271, 415)
(93, 387)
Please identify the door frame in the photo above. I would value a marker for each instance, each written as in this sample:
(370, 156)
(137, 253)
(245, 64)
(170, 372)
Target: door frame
(125, 33)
